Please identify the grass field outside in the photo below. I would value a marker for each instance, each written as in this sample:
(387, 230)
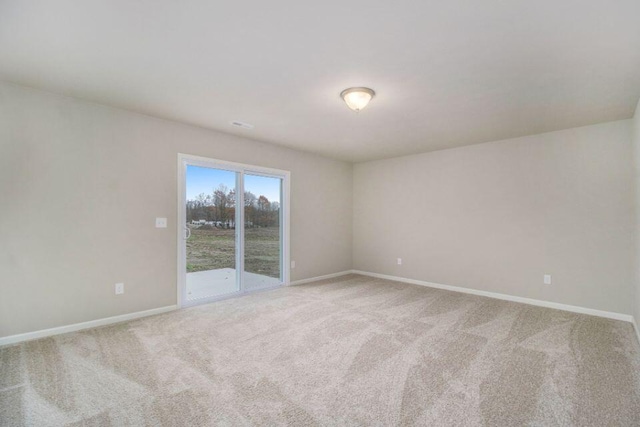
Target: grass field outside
(211, 249)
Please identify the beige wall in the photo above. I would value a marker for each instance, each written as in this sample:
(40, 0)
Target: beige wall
(636, 148)
(81, 185)
(497, 216)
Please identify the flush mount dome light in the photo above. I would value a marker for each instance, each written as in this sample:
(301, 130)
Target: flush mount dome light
(357, 98)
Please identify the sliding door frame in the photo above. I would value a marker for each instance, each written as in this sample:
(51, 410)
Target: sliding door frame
(241, 169)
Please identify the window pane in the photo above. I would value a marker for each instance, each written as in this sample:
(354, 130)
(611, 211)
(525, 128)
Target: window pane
(263, 236)
(211, 245)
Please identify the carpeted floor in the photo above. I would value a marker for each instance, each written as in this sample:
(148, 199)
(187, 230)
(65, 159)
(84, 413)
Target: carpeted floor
(348, 351)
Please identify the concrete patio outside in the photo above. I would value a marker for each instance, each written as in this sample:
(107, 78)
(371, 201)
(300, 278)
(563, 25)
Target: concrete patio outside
(222, 281)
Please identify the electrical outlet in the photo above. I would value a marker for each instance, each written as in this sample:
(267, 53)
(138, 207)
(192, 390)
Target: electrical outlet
(161, 222)
(399, 261)
(547, 279)
(293, 264)
(119, 288)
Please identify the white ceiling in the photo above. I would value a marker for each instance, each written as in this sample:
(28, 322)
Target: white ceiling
(446, 73)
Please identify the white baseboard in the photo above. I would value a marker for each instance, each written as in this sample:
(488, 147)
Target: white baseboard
(530, 301)
(326, 276)
(13, 339)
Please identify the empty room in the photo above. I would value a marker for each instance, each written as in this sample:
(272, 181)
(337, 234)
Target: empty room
(336, 213)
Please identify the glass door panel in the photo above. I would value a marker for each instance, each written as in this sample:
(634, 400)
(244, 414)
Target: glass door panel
(211, 233)
(262, 231)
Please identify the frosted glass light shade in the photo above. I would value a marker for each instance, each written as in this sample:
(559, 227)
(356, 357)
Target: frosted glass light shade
(357, 98)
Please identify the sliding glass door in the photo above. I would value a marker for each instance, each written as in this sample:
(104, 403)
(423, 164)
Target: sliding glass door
(234, 232)
(211, 234)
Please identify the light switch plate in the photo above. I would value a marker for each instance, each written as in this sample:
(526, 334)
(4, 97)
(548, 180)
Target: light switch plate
(547, 279)
(161, 222)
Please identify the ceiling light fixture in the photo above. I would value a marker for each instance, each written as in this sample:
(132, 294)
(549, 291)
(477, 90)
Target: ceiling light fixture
(357, 98)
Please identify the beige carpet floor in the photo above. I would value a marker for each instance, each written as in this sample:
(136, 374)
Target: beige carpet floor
(347, 351)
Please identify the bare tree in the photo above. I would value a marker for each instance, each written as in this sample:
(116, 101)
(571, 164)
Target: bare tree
(263, 206)
(220, 202)
(250, 201)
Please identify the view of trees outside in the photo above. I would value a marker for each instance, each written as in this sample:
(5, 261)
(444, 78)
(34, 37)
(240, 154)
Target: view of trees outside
(211, 219)
(219, 209)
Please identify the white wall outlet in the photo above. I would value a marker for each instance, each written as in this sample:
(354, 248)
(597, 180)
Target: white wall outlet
(161, 222)
(293, 264)
(119, 288)
(547, 279)
(399, 261)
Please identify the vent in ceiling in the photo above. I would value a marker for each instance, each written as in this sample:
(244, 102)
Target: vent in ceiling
(242, 124)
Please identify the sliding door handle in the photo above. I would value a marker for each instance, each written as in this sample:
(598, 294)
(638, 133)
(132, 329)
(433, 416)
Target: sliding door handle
(187, 233)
